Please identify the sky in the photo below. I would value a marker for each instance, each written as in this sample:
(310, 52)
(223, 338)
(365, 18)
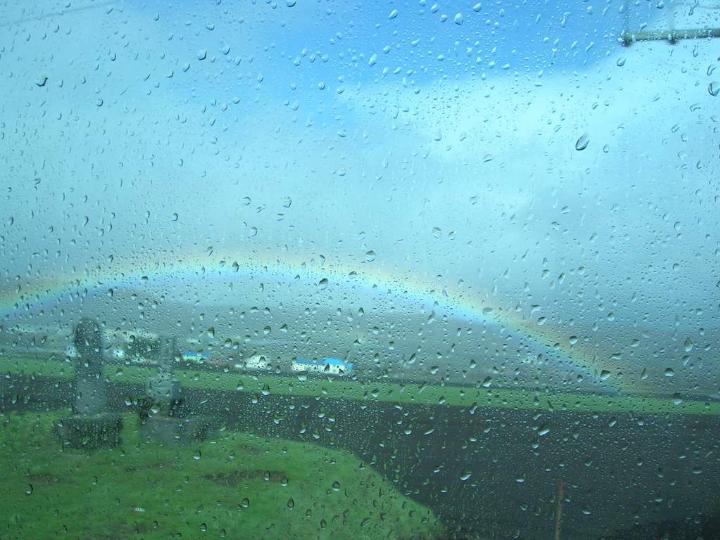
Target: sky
(507, 156)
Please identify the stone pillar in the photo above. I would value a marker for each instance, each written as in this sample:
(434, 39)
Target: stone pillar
(90, 392)
(91, 426)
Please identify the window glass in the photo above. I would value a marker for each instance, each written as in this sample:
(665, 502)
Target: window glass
(317, 269)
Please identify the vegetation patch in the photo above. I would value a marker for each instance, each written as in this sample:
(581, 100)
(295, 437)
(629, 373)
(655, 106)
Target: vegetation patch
(235, 478)
(236, 485)
(392, 392)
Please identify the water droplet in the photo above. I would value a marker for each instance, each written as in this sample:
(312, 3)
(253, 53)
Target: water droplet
(573, 340)
(203, 527)
(688, 345)
(669, 372)
(323, 283)
(465, 476)
(458, 18)
(336, 485)
(287, 202)
(714, 88)
(42, 81)
(291, 503)
(393, 14)
(373, 60)
(202, 54)
(245, 502)
(620, 61)
(370, 256)
(290, 3)
(477, 7)
(29, 489)
(582, 142)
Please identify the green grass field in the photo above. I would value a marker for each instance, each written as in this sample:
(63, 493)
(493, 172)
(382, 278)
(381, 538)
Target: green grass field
(451, 396)
(235, 485)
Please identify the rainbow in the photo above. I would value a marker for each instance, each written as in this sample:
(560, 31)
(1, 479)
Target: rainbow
(19, 296)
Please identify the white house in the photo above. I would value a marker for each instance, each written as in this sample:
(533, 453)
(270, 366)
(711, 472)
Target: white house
(256, 362)
(327, 366)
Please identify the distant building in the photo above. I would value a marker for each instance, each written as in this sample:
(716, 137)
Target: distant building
(328, 366)
(194, 357)
(256, 362)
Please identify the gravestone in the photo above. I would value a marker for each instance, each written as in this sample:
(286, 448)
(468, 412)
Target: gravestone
(161, 415)
(163, 389)
(91, 426)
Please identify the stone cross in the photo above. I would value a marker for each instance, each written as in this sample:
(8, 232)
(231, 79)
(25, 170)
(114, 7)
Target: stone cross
(163, 389)
(162, 418)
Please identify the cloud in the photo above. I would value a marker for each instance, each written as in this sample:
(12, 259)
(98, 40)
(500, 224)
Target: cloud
(472, 183)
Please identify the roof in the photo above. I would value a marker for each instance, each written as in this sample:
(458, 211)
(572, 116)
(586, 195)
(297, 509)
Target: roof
(335, 362)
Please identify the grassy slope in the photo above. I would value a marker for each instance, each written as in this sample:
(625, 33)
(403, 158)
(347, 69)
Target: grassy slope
(215, 488)
(390, 392)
